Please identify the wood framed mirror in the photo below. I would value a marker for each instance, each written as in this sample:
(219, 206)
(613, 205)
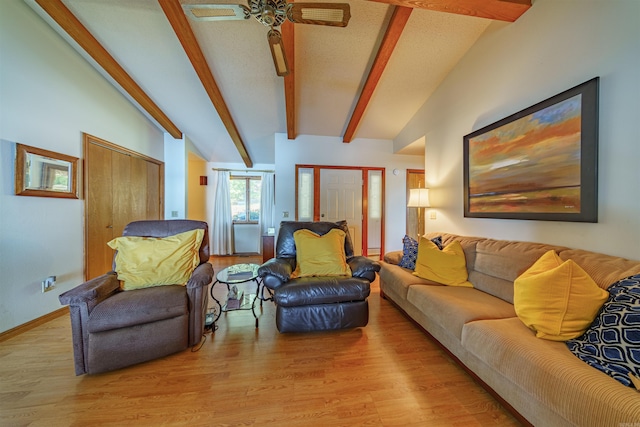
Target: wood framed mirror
(44, 173)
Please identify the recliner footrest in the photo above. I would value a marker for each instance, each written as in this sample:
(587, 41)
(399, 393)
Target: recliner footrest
(321, 290)
(322, 317)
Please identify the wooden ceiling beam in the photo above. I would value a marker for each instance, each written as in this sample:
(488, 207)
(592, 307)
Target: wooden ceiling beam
(394, 30)
(178, 20)
(78, 32)
(289, 80)
(500, 10)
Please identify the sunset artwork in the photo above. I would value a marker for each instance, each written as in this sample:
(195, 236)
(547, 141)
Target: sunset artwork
(530, 165)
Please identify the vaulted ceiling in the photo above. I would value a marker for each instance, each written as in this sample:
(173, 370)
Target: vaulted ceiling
(215, 83)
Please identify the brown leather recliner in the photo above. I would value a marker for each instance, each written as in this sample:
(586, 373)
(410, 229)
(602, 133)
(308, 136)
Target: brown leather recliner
(113, 328)
(317, 303)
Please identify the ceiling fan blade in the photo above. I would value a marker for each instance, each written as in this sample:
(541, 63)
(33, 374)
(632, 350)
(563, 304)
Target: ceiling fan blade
(333, 14)
(277, 52)
(216, 12)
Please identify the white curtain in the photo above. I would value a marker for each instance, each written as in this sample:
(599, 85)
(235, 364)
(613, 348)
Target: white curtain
(267, 202)
(222, 238)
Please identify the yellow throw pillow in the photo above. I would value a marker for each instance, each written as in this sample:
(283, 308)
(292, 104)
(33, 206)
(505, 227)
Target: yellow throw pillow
(320, 255)
(557, 299)
(447, 266)
(142, 262)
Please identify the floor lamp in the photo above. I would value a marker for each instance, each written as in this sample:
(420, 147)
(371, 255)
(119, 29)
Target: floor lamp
(419, 198)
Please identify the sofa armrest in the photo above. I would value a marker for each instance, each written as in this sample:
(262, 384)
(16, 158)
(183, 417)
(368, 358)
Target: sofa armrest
(393, 257)
(276, 272)
(92, 292)
(198, 293)
(81, 301)
(201, 276)
(363, 267)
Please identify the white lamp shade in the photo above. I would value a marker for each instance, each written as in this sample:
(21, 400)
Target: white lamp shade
(418, 198)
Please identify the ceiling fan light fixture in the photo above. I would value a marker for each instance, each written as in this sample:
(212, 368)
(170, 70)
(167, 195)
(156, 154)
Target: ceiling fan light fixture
(271, 13)
(268, 15)
(277, 52)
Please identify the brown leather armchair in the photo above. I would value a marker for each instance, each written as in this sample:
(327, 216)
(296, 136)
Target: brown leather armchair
(317, 303)
(112, 329)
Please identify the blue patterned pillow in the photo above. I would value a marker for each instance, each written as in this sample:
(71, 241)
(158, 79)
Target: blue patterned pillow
(612, 342)
(410, 251)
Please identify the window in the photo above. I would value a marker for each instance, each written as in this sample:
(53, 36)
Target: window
(305, 194)
(375, 194)
(245, 199)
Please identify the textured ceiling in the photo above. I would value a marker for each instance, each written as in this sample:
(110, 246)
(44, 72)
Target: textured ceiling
(331, 65)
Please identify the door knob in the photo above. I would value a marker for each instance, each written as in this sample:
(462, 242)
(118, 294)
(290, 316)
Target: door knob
(109, 226)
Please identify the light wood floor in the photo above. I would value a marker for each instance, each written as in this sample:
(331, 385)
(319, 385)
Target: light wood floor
(386, 374)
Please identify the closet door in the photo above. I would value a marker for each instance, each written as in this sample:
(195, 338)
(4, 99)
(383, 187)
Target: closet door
(98, 210)
(120, 186)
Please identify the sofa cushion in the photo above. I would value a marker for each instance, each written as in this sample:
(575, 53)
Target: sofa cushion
(500, 262)
(446, 266)
(152, 261)
(603, 269)
(468, 245)
(320, 255)
(556, 298)
(546, 374)
(452, 307)
(147, 305)
(396, 280)
(410, 251)
(612, 342)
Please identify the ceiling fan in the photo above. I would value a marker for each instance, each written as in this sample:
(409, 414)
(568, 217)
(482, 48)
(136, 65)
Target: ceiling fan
(273, 13)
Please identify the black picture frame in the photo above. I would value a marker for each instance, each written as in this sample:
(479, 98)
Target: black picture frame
(540, 163)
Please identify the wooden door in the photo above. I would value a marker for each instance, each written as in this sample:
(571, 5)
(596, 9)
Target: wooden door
(120, 186)
(98, 210)
(341, 198)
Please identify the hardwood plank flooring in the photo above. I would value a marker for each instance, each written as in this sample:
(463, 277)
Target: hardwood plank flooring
(386, 374)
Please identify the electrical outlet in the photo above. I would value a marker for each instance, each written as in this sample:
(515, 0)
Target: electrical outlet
(174, 214)
(48, 283)
(285, 214)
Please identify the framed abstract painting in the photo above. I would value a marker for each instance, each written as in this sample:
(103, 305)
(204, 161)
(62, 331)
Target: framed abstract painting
(538, 164)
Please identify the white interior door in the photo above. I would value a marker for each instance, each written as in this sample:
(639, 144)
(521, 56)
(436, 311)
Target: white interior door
(341, 198)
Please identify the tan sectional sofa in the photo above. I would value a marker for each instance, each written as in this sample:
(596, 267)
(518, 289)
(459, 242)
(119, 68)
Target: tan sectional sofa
(540, 380)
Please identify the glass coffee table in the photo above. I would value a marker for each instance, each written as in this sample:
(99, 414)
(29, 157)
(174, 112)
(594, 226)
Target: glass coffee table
(235, 275)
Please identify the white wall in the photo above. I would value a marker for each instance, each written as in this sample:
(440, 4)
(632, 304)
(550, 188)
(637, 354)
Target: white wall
(184, 197)
(554, 46)
(175, 178)
(317, 150)
(49, 95)
(196, 193)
